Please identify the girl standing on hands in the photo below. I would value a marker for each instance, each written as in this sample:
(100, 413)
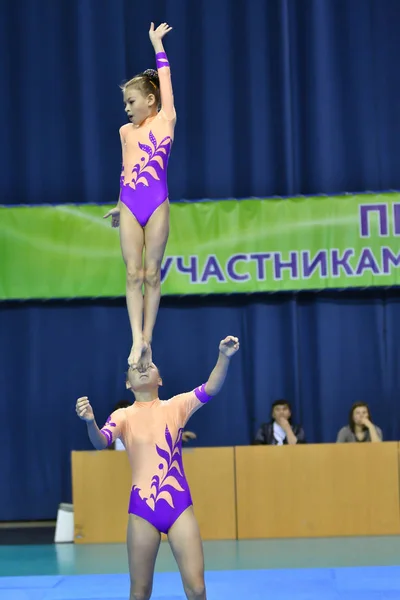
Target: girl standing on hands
(142, 212)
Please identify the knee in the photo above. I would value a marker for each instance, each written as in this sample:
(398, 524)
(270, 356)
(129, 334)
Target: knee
(134, 275)
(152, 275)
(196, 590)
(140, 594)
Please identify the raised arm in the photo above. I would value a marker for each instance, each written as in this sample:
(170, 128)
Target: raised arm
(227, 348)
(189, 402)
(164, 71)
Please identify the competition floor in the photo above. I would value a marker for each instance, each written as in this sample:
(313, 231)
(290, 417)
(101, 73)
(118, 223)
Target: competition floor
(323, 569)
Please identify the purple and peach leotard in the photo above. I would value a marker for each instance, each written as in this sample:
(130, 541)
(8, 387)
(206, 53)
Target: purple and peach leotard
(152, 435)
(145, 153)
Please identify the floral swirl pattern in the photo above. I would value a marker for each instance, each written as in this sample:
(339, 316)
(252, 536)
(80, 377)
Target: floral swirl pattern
(144, 188)
(157, 159)
(171, 469)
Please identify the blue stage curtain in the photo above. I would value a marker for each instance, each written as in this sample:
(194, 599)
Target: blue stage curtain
(280, 97)
(273, 96)
(321, 352)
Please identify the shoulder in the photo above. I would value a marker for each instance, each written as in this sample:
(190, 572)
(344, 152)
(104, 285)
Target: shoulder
(116, 419)
(266, 428)
(124, 129)
(179, 398)
(345, 431)
(165, 403)
(170, 119)
(121, 413)
(128, 412)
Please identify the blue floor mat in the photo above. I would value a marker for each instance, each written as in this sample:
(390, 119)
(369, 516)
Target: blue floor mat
(352, 583)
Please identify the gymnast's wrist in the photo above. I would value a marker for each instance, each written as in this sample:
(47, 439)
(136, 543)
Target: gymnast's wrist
(158, 46)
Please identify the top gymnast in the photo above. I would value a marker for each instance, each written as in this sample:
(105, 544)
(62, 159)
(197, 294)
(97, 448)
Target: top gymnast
(142, 211)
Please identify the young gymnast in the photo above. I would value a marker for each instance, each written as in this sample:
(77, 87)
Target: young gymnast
(142, 211)
(160, 501)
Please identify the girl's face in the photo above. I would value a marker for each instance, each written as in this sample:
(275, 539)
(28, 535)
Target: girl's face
(359, 414)
(137, 106)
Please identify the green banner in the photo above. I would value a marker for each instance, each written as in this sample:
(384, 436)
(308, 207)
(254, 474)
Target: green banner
(229, 246)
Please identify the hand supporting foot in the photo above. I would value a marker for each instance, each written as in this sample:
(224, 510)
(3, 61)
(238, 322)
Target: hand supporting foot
(136, 354)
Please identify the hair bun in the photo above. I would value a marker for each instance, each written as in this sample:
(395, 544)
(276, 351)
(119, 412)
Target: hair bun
(151, 73)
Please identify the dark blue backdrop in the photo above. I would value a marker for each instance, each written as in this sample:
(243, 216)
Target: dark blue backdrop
(273, 97)
(322, 352)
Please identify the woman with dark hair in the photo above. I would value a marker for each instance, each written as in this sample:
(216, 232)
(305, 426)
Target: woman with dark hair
(360, 427)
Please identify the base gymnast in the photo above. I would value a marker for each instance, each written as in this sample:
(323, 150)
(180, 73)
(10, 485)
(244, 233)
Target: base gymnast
(160, 500)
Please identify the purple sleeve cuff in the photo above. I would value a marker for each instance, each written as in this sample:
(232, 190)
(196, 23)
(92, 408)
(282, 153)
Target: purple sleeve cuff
(201, 394)
(161, 60)
(108, 435)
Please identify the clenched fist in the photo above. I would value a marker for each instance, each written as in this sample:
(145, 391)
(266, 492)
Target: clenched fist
(84, 409)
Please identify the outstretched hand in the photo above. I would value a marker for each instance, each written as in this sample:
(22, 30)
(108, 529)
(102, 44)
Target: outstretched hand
(114, 214)
(229, 346)
(188, 435)
(158, 34)
(84, 409)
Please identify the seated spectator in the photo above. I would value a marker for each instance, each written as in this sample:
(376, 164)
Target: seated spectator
(280, 430)
(360, 427)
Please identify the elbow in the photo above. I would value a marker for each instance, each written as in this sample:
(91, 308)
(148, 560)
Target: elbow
(211, 393)
(99, 446)
(210, 390)
(101, 443)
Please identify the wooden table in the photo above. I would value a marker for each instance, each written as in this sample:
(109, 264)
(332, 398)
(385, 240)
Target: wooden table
(252, 492)
(101, 483)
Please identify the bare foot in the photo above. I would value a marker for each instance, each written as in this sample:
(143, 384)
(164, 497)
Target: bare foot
(136, 354)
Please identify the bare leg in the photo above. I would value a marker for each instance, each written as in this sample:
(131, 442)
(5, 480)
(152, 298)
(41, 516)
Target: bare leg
(155, 237)
(132, 243)
(143, 544)
(185, 541)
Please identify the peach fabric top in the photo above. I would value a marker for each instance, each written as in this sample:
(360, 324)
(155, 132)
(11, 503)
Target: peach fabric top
(149, 144)
(152, 435)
